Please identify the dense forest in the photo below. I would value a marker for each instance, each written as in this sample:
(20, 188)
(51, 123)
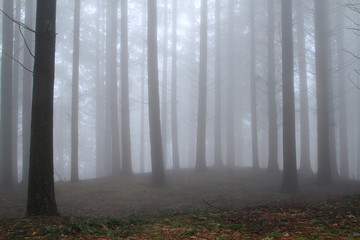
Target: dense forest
(119, 88)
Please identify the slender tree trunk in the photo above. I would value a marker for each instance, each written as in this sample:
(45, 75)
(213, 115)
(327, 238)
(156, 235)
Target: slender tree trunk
(174, 127)
(6, 96)
(230, 145)
(164, 111)
(305, 166)
(99, 83)
(273, 164)
(142, 113)
(75, 96)
(201, 119)
(41, 194)
(254, 137)
(157, 163)
(15, 96)
(218, 162)
(322, 90)
(289, 180)
(27, 89)
(344, 161)
(111, 81)
(125, 112)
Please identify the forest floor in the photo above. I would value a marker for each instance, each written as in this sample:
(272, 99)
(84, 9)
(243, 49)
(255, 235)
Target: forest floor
(216, 204)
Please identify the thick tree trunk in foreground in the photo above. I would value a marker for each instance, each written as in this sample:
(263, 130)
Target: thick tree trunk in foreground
(157, 163)
(289, 180)
(41, 195)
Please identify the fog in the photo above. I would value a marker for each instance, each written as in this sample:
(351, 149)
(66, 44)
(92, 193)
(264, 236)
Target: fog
(237, 65)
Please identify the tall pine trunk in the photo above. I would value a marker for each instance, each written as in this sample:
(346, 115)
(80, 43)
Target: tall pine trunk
(157, 162)
(125, 112)
(254, 136)
(273, 164)
(218, 162)
(41, 194)
(6, 96)
(174, 127)
(164, 86)
(201, 119)
(322, 90)
(289, 180)
(75, 96)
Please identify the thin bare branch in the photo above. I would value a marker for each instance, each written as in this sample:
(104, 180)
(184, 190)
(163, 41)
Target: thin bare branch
(17, 61)
(26, 44)
(18, 22)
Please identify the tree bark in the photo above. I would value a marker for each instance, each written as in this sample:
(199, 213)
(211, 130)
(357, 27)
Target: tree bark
(324, 176)
(254, 137)
(75, 96)
(201, 119)
(125, 112)
(41, 195)
(174, 126)
(6, 96)
(157, 163)
(273, 164)
(164, 108)
(289, 179)
(218, 162)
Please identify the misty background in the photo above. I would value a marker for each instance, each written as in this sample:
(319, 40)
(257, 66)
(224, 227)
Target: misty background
(243, 27)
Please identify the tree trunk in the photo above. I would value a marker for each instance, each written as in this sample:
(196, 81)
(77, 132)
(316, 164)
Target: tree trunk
(305, 166)
(322, 90)
(218, 162)
(75, 96)
(100, 103)
(15, 96)
(125, 113)
(344, 160)
(157, 163)
(201, 119)
(112, 90)
(6, 96)
(41, 195)
(164, 111)
(230, 145)
(289, 180)
(174, 127)
(254, 137)
(273, 164)
(27, 89)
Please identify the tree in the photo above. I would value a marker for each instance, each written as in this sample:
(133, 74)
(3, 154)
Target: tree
(217, 144)
(289, 179)
(157, 162)
(230, 145)
(27, 88)
(322, 90)
(305, 166)
(6, 96)
(174, 127)
(41, 195)
(75, 96)
(164, 111)
(254, 137)
(201, 119)
(15, 95)
(111, 86)
(125, 113)
(273, 164)
(343, 143)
